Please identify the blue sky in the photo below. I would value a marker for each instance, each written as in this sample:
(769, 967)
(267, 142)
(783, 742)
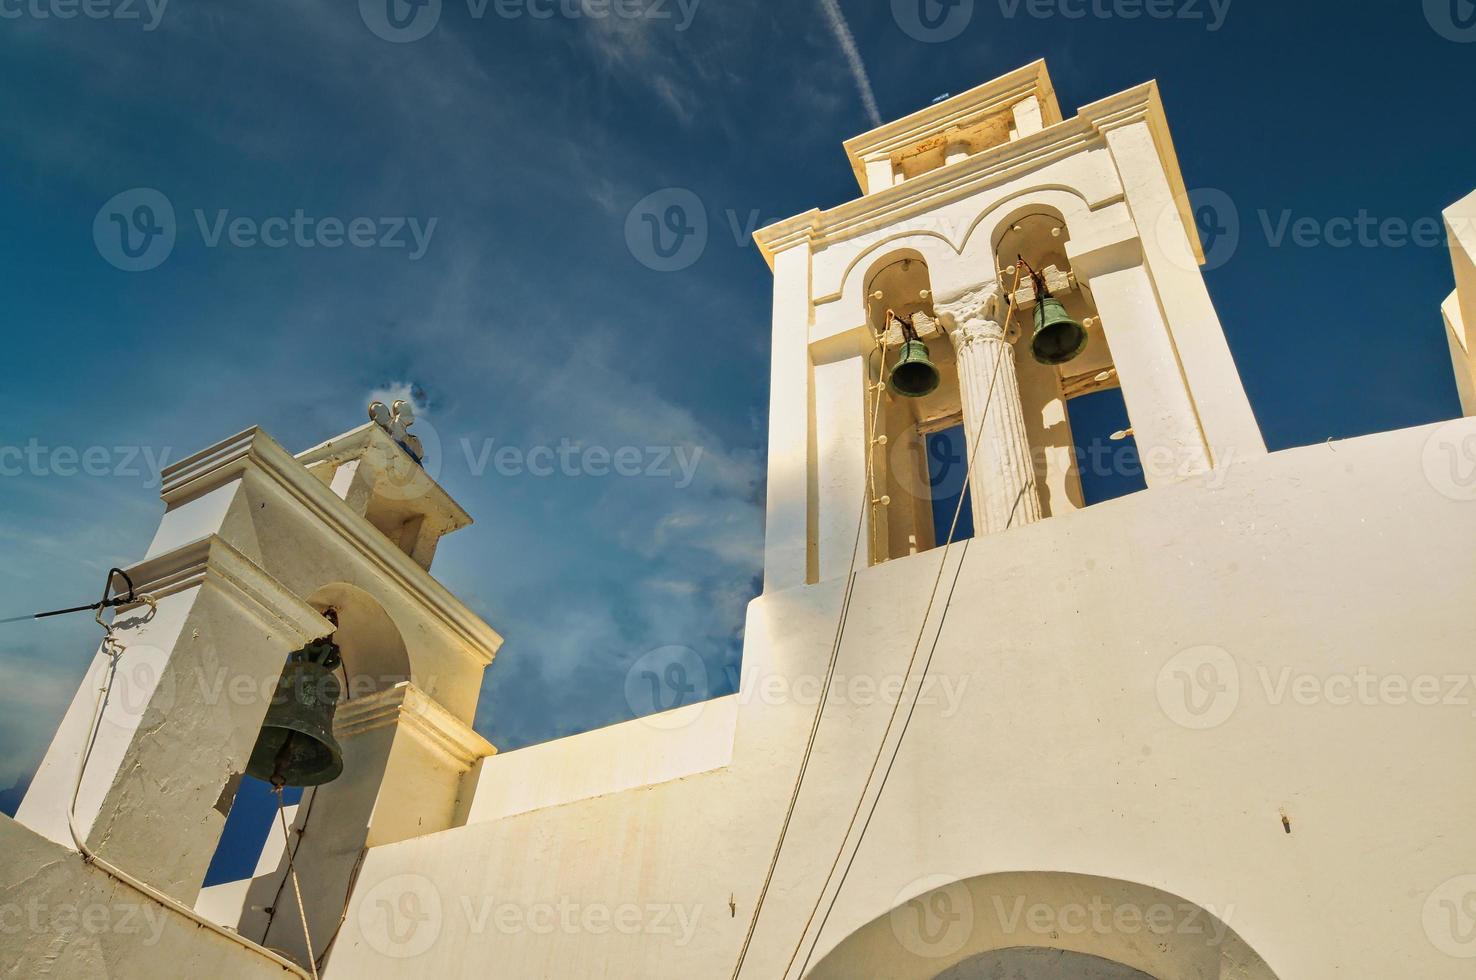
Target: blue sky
(533, 313)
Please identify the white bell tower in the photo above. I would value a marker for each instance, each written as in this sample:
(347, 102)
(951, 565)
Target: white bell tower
(952, 197)
(255, 547)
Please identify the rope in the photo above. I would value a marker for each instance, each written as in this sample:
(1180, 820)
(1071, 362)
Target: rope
(835, 647)
(917, 646)
(292, 873)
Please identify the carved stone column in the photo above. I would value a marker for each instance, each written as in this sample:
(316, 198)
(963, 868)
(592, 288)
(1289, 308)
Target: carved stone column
(1003, 475)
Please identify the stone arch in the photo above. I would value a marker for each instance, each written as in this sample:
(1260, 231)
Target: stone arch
(374, 654)
(903, 288)
(941, 928)
(979, 248)
(933, 249)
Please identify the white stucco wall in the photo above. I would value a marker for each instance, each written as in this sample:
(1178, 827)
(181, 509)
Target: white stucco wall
(1055, 738)
(65, 919)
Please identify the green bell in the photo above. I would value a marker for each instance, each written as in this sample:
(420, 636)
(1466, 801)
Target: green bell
(914, 375)
(296, 746)
(1058, 338)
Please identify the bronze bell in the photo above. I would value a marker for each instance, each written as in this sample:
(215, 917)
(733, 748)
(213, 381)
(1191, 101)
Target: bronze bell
(1058, 338)
(914, 375)
(296, 746)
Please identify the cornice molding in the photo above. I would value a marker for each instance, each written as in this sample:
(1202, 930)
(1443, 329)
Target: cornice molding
(961, 110)
(369, 442)
(211, 561)
(408, 709)
(1088, 129)
(255, 451)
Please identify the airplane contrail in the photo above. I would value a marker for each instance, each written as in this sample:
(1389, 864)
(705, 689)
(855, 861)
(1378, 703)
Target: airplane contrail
(853, 55)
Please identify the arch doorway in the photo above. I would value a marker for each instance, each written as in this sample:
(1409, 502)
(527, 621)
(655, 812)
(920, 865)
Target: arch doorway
(1044, 925)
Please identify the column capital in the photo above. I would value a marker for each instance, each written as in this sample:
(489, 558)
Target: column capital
(973, 315)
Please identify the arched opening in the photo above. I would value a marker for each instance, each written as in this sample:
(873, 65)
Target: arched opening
(374, 655)
(917, 454)
(1043, 926)
(1080, 438)
(374, 659)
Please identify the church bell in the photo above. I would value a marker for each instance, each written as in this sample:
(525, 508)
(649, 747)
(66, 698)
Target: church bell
(1058, 338)
(296, 746)
(915, 375)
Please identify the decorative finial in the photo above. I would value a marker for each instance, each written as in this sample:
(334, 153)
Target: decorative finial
(396, 421)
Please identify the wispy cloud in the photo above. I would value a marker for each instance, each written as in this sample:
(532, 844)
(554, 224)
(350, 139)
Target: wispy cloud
(853, 56)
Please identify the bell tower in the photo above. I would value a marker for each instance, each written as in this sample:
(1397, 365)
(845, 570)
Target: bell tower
(1000, 235)
(261, 553)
